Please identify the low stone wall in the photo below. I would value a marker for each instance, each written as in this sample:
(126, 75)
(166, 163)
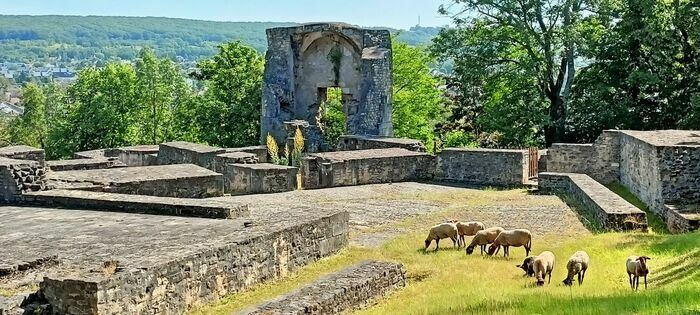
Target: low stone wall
(259, 178)
(609, 209)
(259, 150)
(100, 201)
(600, 160)
(140, 155)
(23, 152)
(353, 142)
(18, 177)
(181, 152)
(495, 167)
(181, 180)
(347, 168)
(255, 254)
(682, 218)
(99, 153)
(221, 160)
(84, 164)
(349, 289)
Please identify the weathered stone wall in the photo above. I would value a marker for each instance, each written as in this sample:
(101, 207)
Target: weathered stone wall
(610, 210)
(140, 155)
(496, 167)
(23, 152)
(302, 62)
(639, 171)
(679, 170)
(259, 178)
(347, 168)
(349, 289)
(600, 160)
(682, 218)
(180, 180)
(265, 253)
(352, 142)
(84, 164)
(18, 177)
(100, 201)
(259, 150)
(221, 160)
(99, 153)
(180, 152)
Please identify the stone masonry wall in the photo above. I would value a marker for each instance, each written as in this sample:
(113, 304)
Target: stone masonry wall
(259, 178)
(347, 168)
(609, 210)
(265, 254)
(599, 160)
(349, 289)
(483, 166)
(349, 142)
(180, 152)
(639, 171)
(679, 170)
(20, 176)
(23, 152)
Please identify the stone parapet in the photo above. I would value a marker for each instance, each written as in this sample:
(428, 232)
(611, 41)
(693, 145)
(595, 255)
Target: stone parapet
(344, 291)
(23, 152)
(610, 210)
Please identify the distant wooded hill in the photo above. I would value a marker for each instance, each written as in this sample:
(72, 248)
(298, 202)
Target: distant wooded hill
(45, 38)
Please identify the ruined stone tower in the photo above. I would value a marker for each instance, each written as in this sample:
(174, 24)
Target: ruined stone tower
(303, 62)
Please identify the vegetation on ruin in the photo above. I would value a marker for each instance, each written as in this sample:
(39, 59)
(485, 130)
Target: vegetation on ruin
(449, 282)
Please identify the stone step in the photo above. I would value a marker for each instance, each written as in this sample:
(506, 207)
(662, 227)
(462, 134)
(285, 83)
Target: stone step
(346, 290)
(93, 200)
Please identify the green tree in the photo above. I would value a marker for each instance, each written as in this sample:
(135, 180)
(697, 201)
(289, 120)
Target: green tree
(30, 129)
(418, 103)
(523, 50)
(229, 114)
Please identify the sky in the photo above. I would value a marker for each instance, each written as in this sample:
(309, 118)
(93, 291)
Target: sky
(391, 13)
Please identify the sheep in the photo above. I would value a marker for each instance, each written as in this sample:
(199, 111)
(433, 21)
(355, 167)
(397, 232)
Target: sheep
(468, 229)
(577, 265)
(527, 266)
(637, 267)
(542, 265)
(440, 231)
(483, 238)
(516, 238)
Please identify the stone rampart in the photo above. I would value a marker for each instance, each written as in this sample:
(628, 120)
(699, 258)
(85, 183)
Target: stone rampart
(599, 160)
(344, 291)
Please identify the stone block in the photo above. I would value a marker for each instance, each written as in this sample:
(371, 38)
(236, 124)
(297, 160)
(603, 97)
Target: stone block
(180, 152)
(259, 150)
(240, 157)
(140, 155)
(352, 142)
(84, 164)
(23, 152)
(259, 178)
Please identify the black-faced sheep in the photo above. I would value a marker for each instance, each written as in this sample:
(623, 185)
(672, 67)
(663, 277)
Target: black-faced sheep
(483, 238)
(440, 231)
(577, 265)
(637, 267)
(542, 265)
(515, 238)
(527, 266)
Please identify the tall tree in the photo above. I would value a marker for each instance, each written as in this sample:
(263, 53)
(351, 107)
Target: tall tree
(528, 46)
(419, 104)
(230, 111)
(30, 129)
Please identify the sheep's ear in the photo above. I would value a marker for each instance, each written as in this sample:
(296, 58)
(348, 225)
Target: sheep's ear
(519, 266)
(647, 258)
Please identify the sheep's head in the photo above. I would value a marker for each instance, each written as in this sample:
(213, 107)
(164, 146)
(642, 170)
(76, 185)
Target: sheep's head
(470, 249)
(526, 266)
(568, 281)
(540, 281)
(643, 264)
(427, 243)
(492, 249)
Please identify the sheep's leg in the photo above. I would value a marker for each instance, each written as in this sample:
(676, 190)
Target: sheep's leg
(580, 277)
(550, 276)
(636, 282)
(483, 248)
(506, 251)
(629, 275)
(455, 241)
(645, 282)
(437, 244)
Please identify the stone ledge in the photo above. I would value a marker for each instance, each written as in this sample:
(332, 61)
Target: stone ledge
(23, 152)
(101, 201)
(682, 218)
(609, 209)
(84, 164)
(349, 289)
(354, 142)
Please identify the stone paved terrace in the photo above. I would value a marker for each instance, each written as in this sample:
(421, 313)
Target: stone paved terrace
(663, 138)
(179, 180)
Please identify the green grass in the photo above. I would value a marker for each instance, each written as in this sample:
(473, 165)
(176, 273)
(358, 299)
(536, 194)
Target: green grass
(656, 223)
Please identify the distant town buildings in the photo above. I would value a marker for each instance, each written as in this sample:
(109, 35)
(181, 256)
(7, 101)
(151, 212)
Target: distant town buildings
(20, 71)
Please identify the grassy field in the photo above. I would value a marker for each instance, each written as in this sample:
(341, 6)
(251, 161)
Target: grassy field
(449, 282)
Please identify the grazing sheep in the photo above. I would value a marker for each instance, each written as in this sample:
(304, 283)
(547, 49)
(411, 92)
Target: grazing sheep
(542, 265)
(483, 238)
(577, 265)
(637, 267)
(440, 231)
(527, 266)
(516, 238)
(468, 229)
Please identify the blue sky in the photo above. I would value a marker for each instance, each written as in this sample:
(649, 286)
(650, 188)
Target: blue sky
(391, 13)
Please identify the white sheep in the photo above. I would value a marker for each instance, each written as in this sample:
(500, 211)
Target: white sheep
(637, 267)
(542, 265)
(577, 265)
(468, 229)
(440, 231)
(515, 238)
(483, 238)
